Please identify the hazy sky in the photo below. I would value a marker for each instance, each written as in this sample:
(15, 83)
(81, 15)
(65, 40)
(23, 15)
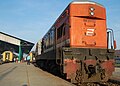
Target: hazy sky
(31, 19)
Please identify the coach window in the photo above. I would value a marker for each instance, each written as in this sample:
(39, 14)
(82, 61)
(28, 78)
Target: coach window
(45, 41)
(49, 39)
(52, 36)
(42, 43)
(61, 31)
(7, 55)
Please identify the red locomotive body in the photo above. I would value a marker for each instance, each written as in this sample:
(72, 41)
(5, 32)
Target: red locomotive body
(77, 44)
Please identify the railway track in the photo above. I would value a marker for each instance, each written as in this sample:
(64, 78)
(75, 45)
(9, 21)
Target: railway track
(111, 82)
(114, 82)
(6, 68)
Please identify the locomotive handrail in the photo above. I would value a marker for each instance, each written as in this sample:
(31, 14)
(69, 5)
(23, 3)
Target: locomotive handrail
(112, 41)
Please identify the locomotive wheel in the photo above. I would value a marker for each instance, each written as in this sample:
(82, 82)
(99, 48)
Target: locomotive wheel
(55, 70)
(104, 76)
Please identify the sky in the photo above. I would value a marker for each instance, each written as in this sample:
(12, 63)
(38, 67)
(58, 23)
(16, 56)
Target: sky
(31, 19)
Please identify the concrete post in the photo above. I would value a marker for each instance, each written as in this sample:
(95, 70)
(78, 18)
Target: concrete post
(20, 53)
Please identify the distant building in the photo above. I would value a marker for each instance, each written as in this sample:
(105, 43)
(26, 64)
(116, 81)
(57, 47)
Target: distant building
(12, 43)
(117, 53)
(117, 58)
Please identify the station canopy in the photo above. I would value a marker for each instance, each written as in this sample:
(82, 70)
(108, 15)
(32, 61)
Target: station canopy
(11, 43)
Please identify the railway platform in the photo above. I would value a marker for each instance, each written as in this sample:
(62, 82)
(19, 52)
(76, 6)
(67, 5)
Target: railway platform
(116, 75)
(21, 74)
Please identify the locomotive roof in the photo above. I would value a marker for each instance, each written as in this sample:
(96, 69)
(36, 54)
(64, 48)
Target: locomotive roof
(76, 2)
(85, 2)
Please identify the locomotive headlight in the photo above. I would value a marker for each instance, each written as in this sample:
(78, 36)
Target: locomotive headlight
(92, 13)
(92, 9)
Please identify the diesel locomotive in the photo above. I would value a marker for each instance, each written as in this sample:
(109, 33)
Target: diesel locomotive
(79, 46)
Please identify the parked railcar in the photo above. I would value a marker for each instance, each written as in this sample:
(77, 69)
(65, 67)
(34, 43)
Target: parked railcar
(8, 56)
(32, 56)
(78, 45)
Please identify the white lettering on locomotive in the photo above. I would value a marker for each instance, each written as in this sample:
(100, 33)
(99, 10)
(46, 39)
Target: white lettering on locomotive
(90, 32)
